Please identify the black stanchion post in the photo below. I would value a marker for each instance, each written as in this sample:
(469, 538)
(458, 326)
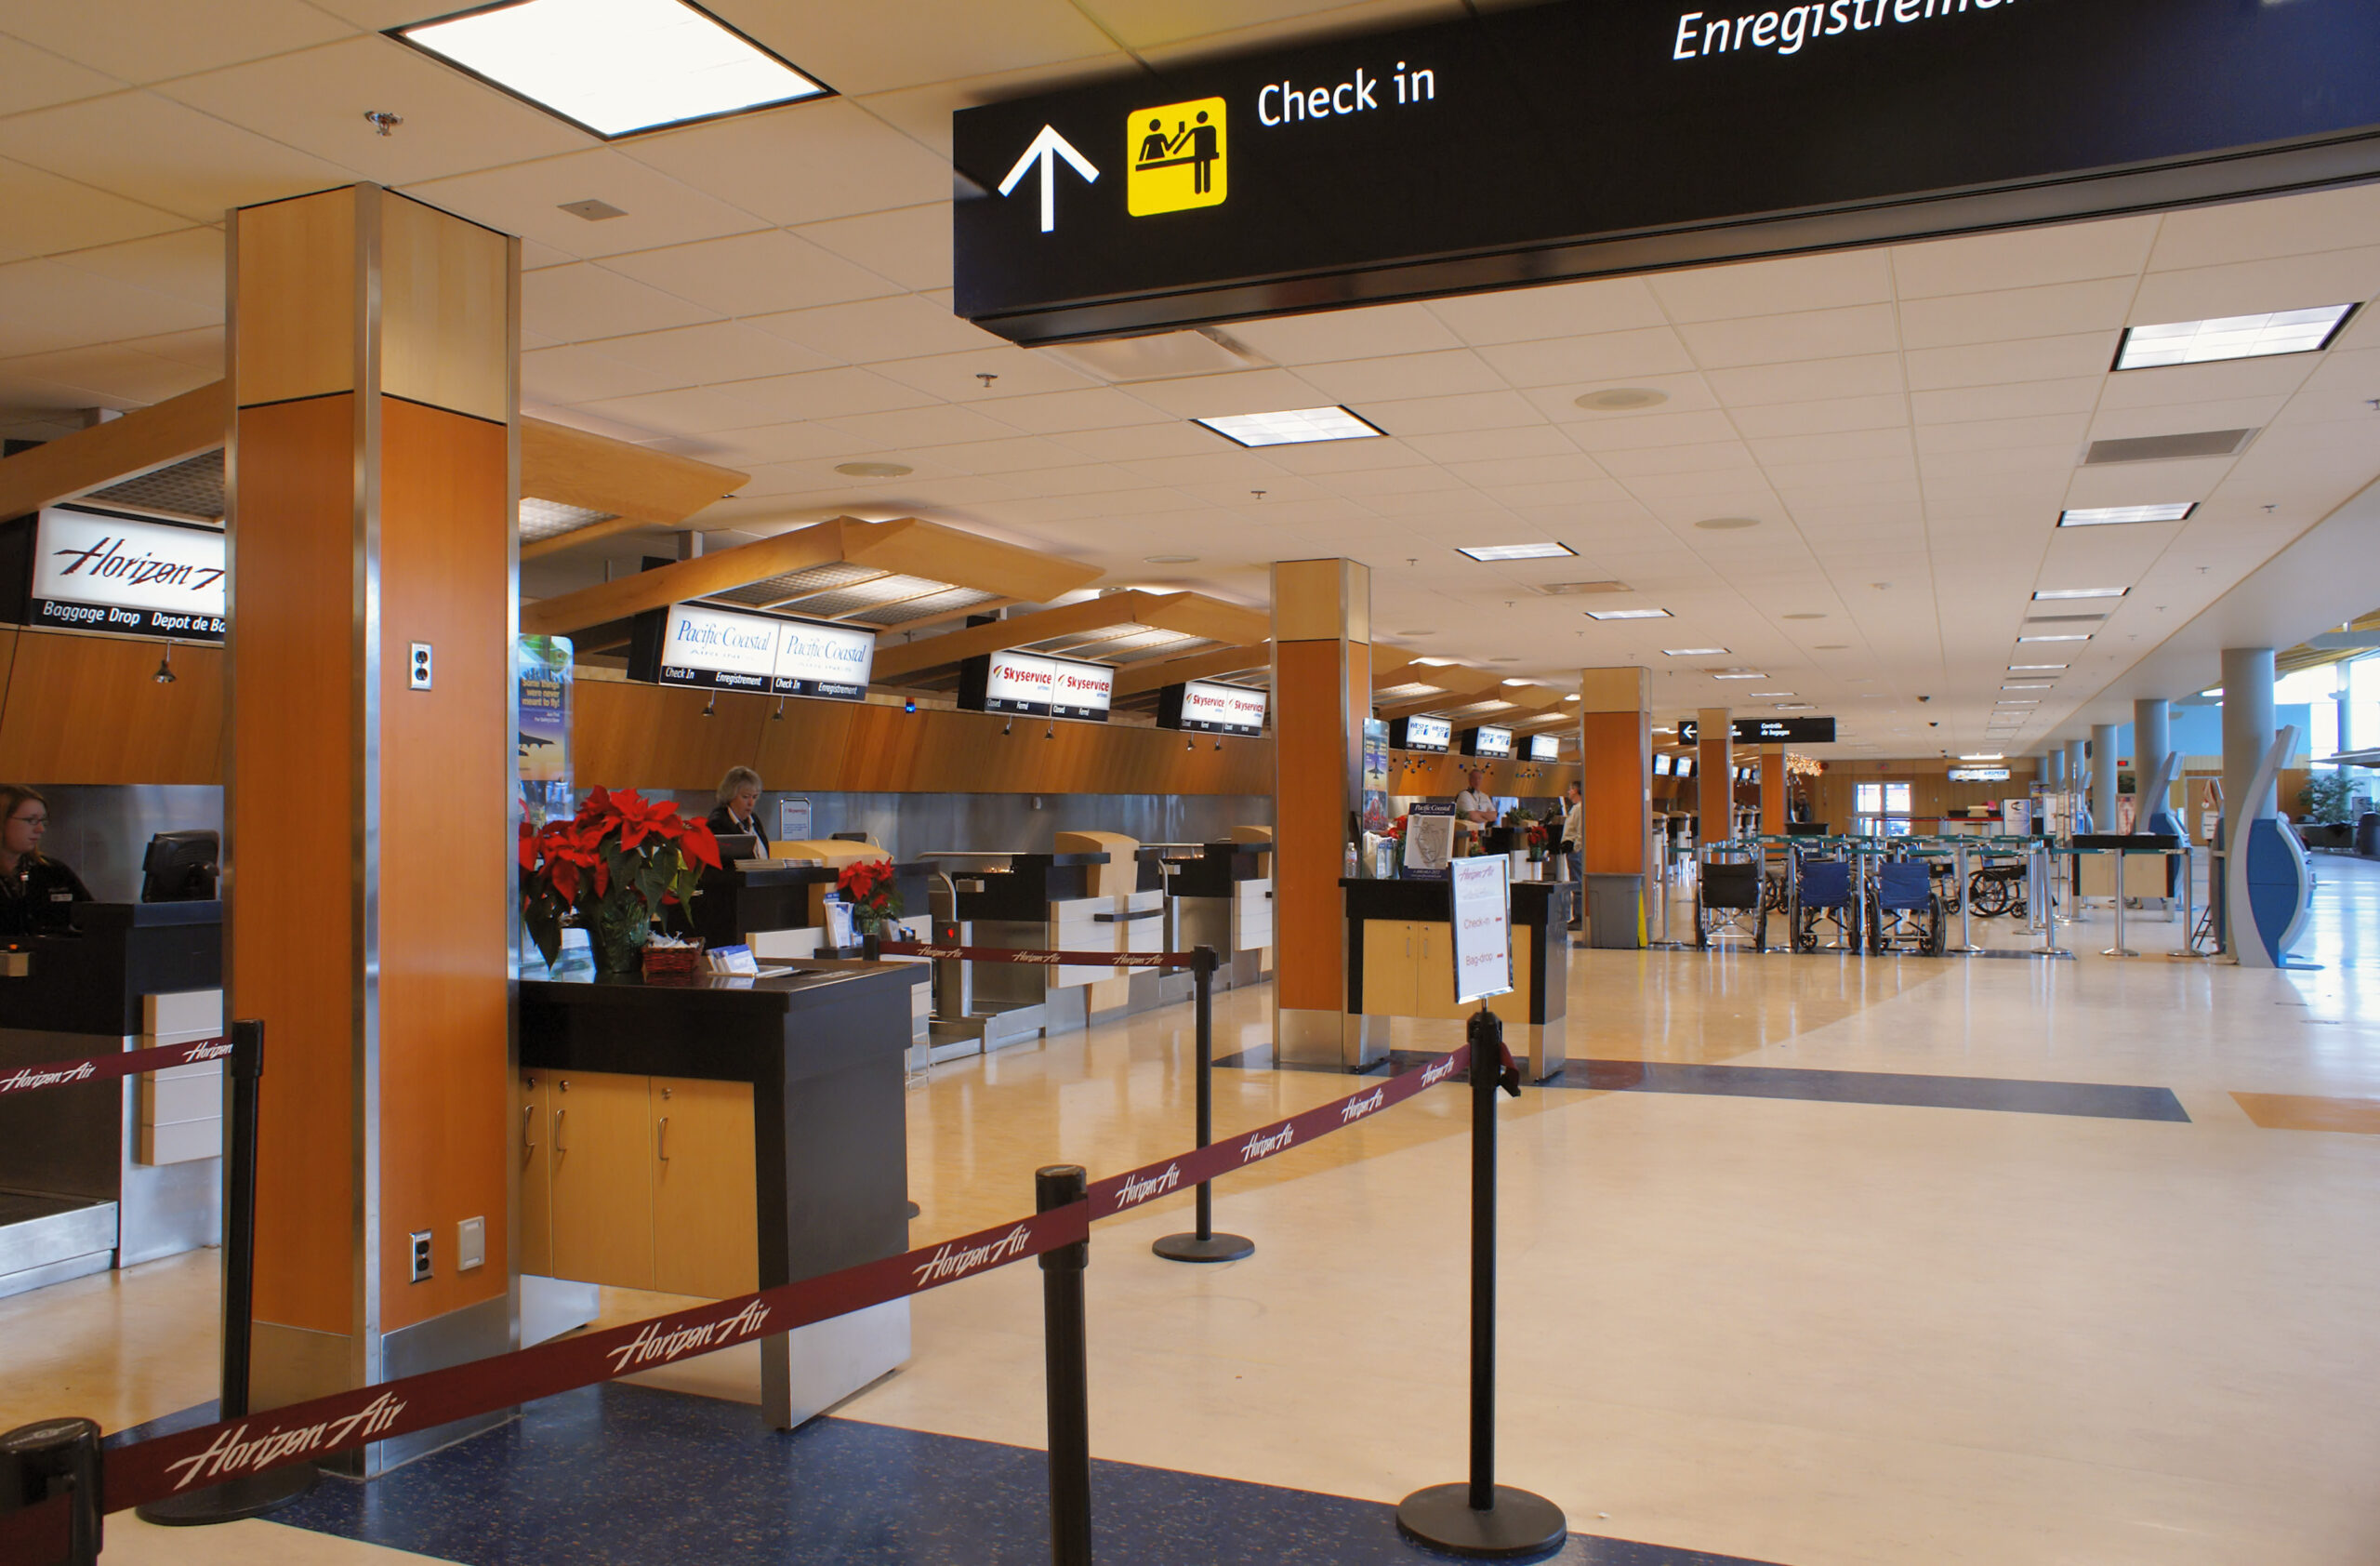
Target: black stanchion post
(251, 1494)
(1482, 1518)
(1206, 1245)
(1068, 1375)
(53, 1457)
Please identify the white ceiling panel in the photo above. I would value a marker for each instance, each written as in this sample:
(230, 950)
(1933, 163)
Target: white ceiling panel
(1552, 311)
(801, 164)
(1379, 331)
(2054, 310)
(1998, 363)
(1450, 373)
(1870, 375)
(1018, 373)
(49, 214)
(894, 326)
(1211, 396)
(2017, 400)
(909, 244)
(151, 40)
(527, 199)
(575, 373)
(1846, 446)
(1438, 416)
(2236, 413)
(1482, 445)
(1059, 413)
(163, 154)
(187, 265)
(938, 425)
(793, 441)
(2251, 231)
(583, 301)
(2026, 258)
(1131, 442)
(1583, 361)
(116, 376)
(34, 78)
(820, 394)
(716, 350)
(2063, 431)
(315, 101)
(46, 306)
(2252, 287)
(752, 273)
(2177, 385)
(1822, 416)
(909, 43)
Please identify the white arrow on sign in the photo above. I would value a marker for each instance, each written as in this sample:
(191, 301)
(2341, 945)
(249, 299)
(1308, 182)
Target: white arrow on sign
(1047, 149)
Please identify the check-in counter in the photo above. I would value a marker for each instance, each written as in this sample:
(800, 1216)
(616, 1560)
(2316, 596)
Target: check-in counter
(112, 1174)
(1224, 899)
(1039, 902)
(777, 907)
(1400, 965)
(716, 1135)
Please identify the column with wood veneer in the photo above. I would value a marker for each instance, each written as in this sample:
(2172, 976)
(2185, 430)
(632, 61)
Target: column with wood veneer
(373, 465)
(1714, 776)
(1322, 688)
(1775, 786)
(1616, 770)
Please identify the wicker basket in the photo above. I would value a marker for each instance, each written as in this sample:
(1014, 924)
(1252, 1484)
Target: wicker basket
(672, 961)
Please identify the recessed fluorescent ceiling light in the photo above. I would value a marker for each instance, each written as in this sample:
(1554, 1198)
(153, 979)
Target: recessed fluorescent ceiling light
(2047, 594)
(2033, 667)
(1628, 614)
(1694, 651)
(1994, 756)
(2101, 516)
(1739, 676)
(1517, 552)
(1520, 682)
(1435, 663)
(1291, 426)
(1770, 692)
(2043, 686)
(2072, 636)
(615, 67)
(2231, 337)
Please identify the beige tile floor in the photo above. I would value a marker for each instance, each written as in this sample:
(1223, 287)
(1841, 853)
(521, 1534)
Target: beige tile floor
(1824, 1334)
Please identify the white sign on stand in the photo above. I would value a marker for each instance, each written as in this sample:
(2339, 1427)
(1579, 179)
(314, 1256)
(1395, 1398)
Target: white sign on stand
(1482, 927)
(793, 819)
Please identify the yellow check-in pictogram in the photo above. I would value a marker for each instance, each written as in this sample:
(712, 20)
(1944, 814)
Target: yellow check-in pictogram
(1178, 156)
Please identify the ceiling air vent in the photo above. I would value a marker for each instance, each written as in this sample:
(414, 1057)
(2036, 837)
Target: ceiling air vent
(1564, 590)
(2167, 448)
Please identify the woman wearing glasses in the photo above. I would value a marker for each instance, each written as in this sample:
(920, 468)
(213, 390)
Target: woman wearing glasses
(35, 889)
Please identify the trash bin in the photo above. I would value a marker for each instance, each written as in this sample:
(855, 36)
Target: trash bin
(1615, 912)
(2367, 835)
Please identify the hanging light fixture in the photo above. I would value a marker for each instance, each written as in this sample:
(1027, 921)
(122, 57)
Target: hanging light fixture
(711, 707)
(778, 716)
(165, 675)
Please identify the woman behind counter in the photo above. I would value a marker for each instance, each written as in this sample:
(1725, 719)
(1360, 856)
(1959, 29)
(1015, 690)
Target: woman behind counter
(35, 889)
(738, 809)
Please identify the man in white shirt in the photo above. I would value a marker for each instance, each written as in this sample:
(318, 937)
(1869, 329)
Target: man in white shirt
(1573, 837)
(1474, 804)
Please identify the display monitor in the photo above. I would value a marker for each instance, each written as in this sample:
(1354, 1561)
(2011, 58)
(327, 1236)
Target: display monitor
(1030, 685)
(1544, 747)
(1486, 741)
(711, 649)
(1685, 766)
(734, 846)
(1434, 734)
(1208, 707)
(179, 867)
(1660, 766)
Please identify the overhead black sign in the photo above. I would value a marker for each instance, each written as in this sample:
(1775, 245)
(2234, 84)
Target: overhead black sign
(1765, 731)
(1592, 136)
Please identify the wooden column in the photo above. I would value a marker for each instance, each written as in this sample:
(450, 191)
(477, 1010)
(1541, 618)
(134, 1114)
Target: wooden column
(373, 463)
(1714, 776)
(1616, 770)
(1322, 693)
(1776, 788)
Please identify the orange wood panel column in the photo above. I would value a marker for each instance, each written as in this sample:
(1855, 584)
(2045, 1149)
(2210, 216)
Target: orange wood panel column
(1714, 776)
(1775, 786)
(1615, 777)
(1322, 693)
(373, 460)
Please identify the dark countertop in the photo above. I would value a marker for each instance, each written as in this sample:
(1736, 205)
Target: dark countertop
(1532, 900)
(804, 990)
(812, 1022)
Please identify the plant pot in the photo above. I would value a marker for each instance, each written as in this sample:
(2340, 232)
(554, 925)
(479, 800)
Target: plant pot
(617, 931)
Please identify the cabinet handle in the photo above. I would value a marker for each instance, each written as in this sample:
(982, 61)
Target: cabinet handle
(663, 1141)
(528, 1121)
(557, 1115)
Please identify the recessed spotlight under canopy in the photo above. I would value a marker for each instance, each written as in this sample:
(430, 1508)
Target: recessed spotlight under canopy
(2043, 686)
(2048, 594)
(1993, 756)
(1170, 559)
(2231, 337)
(1516, 551)
(1435, 663)
(1628, 614)
(1291, 426)
(614, 67)
(2102, 516)
(2067, 636)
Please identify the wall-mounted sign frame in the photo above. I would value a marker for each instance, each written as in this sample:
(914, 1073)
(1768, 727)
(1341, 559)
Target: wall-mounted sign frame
(1434, 736)
(82, 568)
(1531, 144)
(1765, 731)
(1033, 685)
(1210, 706)
(1544, 747)
(1487, 741)
(711, 648)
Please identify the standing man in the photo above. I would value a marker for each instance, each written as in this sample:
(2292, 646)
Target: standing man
(1474, 805)
(1573, 839)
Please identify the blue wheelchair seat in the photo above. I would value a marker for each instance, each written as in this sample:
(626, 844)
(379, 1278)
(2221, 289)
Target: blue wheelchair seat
(1904, 884)
(1825, 884)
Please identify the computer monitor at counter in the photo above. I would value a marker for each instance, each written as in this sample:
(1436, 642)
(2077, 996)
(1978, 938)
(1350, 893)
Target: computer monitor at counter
(180, 866)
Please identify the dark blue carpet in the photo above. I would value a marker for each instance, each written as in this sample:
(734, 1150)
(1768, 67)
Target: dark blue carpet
(635, 1477)
(1909, 1090)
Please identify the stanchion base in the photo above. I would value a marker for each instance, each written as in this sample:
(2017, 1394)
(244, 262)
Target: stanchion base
(1214, 1248)
(1520, 1524)
(2119, 951)
(249, 1495)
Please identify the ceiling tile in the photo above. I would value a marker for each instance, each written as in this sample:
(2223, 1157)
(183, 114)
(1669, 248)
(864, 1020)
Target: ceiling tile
(909, 244)
(2252, 287)
(46, 306)
(2202, 237)
(714, 350)
(1820, 415)
(164, 154)
(2024, 258)
(801, 164)
(820, 394)
(113, 376)
(1583, 361)
(1552, 311)
(1098, 408)
(47, 214)
(187, 265)
(941, 424)
(2240, 413)
(2002, 435)
(1412, 375)
(2050, 310)
(1771, 339)
(1799, 284)
(1211, 396)
(527, 199)
(1378, 331)
(1479, 445)
(751, 273)
(849, 47)
(1994, 364)
(1644, 430)
(1132, 442)
(315, 101)
(1872, 375)
(894, 326)
(1438, 416)
(34, 78)
(2173, 384)
(2021, 399)
(1017, 374)
(1847, 446)
(149, 40)
(574, 374)
(581, 301)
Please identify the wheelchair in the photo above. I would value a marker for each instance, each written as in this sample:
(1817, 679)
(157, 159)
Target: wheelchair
(1730, 900)
(1827, 894)
(1993, 890)
(1904, 911)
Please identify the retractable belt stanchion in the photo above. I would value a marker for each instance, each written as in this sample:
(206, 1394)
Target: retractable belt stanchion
(1067, 1358)
(250, 1495)
(1966, 946)
(1482, 1518)
(52, 1492)
(2119, 950)
(1205, 1245)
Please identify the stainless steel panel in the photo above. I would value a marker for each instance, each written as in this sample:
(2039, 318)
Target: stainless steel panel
(102, 830)
(550, 1306)
(476, 1332)
(908, 825)
(39, 1232)
(33, 1278)
(805, 1372)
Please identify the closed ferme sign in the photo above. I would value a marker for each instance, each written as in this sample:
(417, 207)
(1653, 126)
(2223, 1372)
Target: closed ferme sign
(1531, 144)
(735, 650)
(97, 571)
(1206, 707)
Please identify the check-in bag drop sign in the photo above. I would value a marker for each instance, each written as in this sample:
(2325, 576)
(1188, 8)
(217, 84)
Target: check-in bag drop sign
(1482, 927)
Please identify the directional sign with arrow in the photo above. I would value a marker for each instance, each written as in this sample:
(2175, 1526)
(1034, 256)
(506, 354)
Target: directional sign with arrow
(1047, 149)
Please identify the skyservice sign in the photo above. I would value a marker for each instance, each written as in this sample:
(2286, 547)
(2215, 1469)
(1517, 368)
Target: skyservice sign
(1031, 685)
(92, 571)
(1207, 706)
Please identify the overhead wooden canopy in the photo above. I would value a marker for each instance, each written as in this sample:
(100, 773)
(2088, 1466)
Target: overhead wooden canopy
(1213, 664)
(1189, 614)
(635, 485)
(905, 547)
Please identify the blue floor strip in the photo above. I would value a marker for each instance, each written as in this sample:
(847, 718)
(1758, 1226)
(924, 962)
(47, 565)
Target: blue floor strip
(1908, 1090)
(629, 1475)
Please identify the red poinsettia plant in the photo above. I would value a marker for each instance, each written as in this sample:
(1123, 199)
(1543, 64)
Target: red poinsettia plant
(868, 886)
(618, 860)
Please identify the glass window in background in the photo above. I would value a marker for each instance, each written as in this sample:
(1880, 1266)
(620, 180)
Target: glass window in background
(1883, 809)
(2359, 716)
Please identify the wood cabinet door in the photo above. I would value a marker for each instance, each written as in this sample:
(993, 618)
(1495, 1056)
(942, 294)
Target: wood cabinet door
(1388, 967)
(602, 1179)
(706, 1222)
(533, 1149)
(1434, 970)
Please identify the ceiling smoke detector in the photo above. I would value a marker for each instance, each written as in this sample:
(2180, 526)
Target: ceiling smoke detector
(593, 211)
(1727, 524)
(1621, 399)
